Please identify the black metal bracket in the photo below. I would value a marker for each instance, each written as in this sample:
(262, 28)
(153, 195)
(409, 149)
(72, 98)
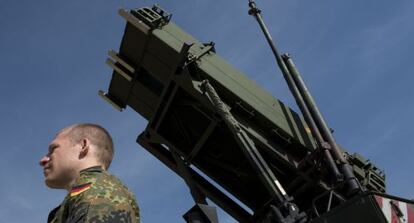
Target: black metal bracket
(331, 194)
(208, 47)
(154, 17)
(201, 213)
(146, 140)
(183, 168)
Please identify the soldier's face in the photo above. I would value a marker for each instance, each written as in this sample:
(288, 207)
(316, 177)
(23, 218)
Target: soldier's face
(60, 163)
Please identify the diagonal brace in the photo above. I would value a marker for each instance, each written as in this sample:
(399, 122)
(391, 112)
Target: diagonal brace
(288, 210)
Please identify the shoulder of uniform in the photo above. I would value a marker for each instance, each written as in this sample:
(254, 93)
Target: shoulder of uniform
(84, 182)
(105, 198)
(112, 183)
(78, 189)
(92, 183)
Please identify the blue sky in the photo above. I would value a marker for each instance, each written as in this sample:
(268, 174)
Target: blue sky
(356, 57)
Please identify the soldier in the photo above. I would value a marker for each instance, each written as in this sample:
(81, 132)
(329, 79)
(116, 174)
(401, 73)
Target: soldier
(77, 161)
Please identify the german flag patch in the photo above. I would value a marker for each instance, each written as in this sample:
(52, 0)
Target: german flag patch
(79, 189)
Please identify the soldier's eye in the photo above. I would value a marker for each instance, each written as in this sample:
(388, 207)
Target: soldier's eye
(52, 149)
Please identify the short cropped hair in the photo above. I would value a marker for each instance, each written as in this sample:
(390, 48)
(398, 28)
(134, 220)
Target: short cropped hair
(97, 135)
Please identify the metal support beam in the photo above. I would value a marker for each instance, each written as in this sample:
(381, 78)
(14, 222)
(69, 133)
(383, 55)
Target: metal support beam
(183, 168)
(214, 194)
(350, 179)
(310, 110)
(286, 210)
(201, 214)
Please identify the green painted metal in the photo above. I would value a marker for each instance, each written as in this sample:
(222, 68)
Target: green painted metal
(158, 72)
(158, 52)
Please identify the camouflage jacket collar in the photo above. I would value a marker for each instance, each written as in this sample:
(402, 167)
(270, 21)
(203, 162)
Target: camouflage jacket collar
(92, 169)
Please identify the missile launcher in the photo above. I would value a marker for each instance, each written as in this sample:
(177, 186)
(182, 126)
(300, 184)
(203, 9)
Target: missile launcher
(223, 134)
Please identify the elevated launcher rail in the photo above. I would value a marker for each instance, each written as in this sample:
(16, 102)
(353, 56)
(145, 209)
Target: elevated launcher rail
(206, 116)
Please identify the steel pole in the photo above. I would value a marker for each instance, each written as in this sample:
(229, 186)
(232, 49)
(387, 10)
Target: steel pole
(296, 93)
(346, 169)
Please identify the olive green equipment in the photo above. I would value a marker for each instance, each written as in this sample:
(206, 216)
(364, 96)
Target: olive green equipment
(225, 135)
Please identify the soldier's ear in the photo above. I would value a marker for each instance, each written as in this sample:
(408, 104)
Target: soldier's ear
(84, 147)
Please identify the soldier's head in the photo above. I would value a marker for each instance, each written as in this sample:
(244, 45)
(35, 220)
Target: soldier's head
(75, 148)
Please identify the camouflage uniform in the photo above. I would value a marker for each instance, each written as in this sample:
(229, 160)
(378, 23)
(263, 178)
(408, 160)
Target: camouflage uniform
(97, 196)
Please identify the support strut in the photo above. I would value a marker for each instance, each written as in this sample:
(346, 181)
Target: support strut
(284, 210)
(201, 212)
(352, 182)
(313, 117)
